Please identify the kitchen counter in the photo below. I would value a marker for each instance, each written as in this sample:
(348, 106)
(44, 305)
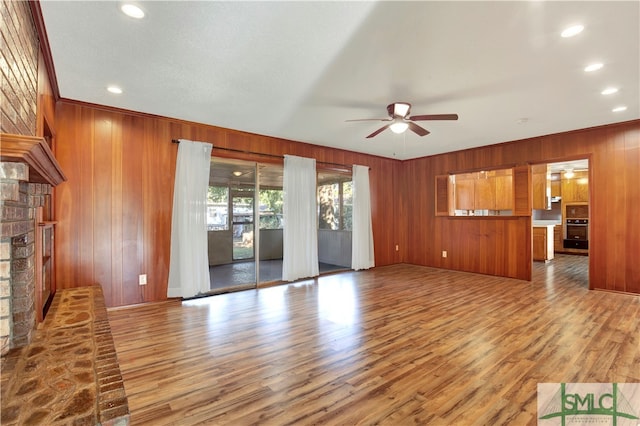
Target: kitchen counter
(546, 222)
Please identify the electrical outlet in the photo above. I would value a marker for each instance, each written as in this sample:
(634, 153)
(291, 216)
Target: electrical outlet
(142, 279)
(397, 247)
(444, 253)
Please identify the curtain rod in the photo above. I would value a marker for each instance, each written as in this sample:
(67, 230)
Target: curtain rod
(267, 155)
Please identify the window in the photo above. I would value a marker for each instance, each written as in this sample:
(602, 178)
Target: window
(329, 206)
(218, 208)
(271, 202)
(347, 205)
(335, 205)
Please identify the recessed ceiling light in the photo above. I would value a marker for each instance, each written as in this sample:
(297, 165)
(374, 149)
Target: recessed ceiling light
(114, 89)
(619, 108)
(571, 31)
(132, 10)
(609, 91)
(593, 67)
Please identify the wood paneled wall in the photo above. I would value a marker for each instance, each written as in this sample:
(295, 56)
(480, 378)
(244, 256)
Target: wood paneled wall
(502, 246)
(46, 104)
(114, 213)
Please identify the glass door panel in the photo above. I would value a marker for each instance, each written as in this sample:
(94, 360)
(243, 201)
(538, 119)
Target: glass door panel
(335, 206)
(231, 215)
(243, 227)
(271, 199)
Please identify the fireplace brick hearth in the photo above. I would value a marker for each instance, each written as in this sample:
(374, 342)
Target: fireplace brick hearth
(69, 374)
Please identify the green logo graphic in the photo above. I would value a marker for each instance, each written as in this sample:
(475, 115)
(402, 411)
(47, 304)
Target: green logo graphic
(584, 401)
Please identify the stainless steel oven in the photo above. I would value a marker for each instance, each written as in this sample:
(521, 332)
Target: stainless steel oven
(578, 229)
(577, 234)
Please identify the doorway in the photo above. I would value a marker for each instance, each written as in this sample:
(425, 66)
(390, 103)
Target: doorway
(245, 245)
(561, 207)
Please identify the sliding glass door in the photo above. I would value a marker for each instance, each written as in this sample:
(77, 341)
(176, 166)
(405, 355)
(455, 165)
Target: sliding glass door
(231, 218)
(246, 223)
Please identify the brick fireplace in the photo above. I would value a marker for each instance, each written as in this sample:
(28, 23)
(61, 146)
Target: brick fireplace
(28, 172)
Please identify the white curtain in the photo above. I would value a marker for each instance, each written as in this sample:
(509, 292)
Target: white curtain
(300, 235)
(362, 255)
(189, 264)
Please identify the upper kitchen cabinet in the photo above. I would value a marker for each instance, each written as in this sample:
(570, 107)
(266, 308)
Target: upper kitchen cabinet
(541, 187)
(575, 187)
(465, 191)
(485, 193)
(556, 185)
(504, 189)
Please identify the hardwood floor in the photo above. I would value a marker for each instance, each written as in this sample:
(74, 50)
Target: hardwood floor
(394, 345)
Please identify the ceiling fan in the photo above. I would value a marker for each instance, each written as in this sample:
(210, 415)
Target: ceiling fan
(399, 119)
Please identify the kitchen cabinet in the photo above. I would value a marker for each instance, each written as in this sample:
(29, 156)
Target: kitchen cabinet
(543, 243)
(465, 191)
(541, 187)
(556, 185)
(491, 190)
(504, 190)
(576, 188)
(485, 193)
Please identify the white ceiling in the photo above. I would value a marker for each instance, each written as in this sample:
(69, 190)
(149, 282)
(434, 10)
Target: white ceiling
(298, 70)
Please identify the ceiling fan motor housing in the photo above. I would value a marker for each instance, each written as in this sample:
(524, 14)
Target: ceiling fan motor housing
(399, 109)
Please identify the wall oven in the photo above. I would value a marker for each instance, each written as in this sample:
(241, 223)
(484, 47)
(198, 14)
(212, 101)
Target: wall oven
(577, 234)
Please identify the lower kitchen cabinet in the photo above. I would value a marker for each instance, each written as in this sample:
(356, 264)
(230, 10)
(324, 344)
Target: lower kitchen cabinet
(543, 243)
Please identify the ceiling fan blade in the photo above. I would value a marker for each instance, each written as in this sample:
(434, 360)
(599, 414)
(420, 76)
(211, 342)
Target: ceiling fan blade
(378, 131)
(434, 117)
(417, 129)
(370, 119)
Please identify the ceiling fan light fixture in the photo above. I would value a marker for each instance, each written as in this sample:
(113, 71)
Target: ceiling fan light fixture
(399, 127)
(401, 109)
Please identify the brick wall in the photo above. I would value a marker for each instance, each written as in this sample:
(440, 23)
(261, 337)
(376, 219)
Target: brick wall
(18, 68)
(18, 199)
(18, 203)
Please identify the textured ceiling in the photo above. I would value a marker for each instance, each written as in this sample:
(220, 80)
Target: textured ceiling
(298, 70)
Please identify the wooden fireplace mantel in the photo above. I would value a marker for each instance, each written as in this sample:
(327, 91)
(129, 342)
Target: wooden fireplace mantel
(33, 151)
